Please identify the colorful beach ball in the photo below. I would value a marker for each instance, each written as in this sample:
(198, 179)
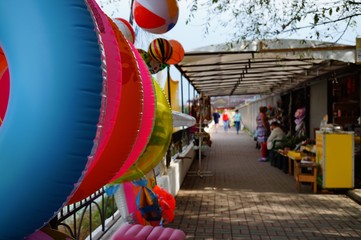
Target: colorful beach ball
(177, 52)
(125, 27)
(156, 16)
(153, 66)
(160, 50)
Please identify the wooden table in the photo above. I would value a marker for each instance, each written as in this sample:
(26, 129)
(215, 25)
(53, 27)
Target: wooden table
(294, 159)
(297, 169)
(306, 177)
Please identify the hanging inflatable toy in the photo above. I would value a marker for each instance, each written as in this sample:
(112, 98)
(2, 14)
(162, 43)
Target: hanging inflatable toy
(127, 121)
(160, 50)
(125, 27)
(147, 203)
(166, 202)
(153, 66)
(158, 143)
(177, 53)
(53, 110)
(125, 199)
(156, 16)
(148, 116)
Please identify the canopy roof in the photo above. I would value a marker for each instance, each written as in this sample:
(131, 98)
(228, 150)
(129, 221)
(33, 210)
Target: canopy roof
(261, 67)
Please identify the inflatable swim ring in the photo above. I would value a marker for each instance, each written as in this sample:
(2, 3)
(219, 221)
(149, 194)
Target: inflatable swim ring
(127, 121)
(159, 140)
(47, 134)
(148, 116)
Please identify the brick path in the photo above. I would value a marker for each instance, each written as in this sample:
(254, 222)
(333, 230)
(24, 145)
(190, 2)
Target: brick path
(247, 199)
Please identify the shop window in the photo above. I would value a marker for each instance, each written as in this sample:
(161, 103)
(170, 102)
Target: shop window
(346, 101)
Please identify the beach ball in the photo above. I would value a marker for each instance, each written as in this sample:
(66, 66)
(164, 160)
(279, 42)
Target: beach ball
(177, 52)
(153, 66)
(160, 50)
(125, 27)
(156, 16)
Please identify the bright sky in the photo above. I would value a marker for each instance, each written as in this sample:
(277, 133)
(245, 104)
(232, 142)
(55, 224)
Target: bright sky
(191, 36)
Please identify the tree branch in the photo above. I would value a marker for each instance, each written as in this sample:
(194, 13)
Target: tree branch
(323, 23)
(354, 2)
(343, 33)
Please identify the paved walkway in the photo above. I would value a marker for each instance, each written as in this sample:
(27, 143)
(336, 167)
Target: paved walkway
(247, 199)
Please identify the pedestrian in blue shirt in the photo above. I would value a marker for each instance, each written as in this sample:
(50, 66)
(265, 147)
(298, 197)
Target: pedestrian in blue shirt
(237, 120)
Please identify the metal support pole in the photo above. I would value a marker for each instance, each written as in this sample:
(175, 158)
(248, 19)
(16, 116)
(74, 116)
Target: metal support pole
(168, 156)
(189, 98)
(182, 93)
(168, 83)
(200, 173)
(131, 13)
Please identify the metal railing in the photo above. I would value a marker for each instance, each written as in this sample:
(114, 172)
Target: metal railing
(80, 219)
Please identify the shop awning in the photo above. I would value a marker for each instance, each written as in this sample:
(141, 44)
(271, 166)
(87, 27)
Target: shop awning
(262, 67)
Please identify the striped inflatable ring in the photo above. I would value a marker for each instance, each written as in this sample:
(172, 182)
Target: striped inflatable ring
(51, 119)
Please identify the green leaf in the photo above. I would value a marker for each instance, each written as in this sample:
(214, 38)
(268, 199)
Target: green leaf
(315, 19)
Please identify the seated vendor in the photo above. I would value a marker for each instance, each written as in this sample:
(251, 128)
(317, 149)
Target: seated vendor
(276, 134)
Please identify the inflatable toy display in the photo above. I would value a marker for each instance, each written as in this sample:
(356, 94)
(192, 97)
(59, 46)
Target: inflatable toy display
(156, 16)
(158, 143)
(160, 50)
(153, 66)
(173, 90)
(131, 192)
(127, 121)
(125, 27)
(167, 203)
(147, 203)
(177, 53)
(111, 93)
(148, 115)
(53, 111)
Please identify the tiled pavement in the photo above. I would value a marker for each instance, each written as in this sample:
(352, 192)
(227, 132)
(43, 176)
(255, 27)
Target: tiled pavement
(247, 199)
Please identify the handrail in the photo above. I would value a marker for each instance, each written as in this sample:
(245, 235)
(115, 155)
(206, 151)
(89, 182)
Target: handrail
(72, 217)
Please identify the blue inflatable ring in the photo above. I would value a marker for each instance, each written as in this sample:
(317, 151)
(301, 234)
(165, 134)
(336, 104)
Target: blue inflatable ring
(55, 96)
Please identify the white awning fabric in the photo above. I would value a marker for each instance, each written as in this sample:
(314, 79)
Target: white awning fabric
(262, 67)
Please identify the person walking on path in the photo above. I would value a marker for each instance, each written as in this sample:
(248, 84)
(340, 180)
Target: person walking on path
(237, 120)
(262, 131)
(216, 118)
(225, 119)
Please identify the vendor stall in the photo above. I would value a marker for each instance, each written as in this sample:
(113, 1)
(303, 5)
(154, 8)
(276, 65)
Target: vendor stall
(335, 156)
